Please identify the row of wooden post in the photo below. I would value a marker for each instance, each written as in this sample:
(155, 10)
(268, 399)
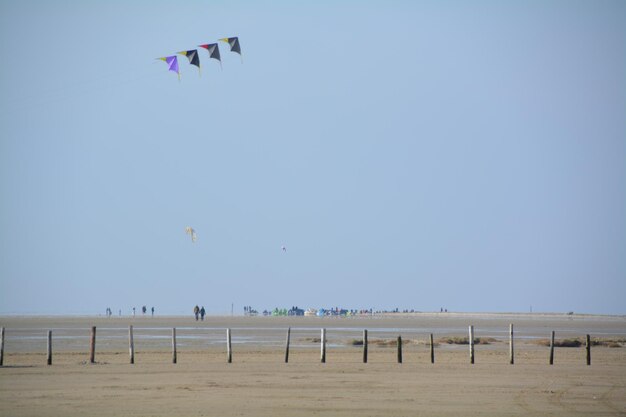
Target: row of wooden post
(131, 346)
(432, 347)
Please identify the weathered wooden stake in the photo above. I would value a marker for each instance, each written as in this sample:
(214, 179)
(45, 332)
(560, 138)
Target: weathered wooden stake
(364, 346)
(229, 349)
(399, 349)
(174, 358)
(131, 344)
(432, 349)
(511, 353)
(92, 346)
(552, 348)
(2, 346)
(588, 346)
(287, 345)
(323, 346)
(471, 343)
(49, 355)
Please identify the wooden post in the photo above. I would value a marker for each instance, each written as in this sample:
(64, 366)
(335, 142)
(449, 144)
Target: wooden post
(323, 346)
(588, 346)
(131, 344)
(471, 343)
(287, 345)
(174, 359)
(511, 352)
(92, 346)
(49, 355)
(432, 349)
(229, 349)
(399, 349)
(552, 348)
(2, 346)
(364, 346)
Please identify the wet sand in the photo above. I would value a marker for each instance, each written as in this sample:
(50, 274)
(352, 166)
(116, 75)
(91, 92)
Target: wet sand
(259, 383)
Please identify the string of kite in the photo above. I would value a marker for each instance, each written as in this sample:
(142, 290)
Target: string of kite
(194, 58)
(192, 233)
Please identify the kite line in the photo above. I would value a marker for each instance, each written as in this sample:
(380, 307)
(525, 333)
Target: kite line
(194, 59)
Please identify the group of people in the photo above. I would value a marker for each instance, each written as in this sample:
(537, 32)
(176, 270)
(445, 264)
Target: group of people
(144, 309)
(199, 312)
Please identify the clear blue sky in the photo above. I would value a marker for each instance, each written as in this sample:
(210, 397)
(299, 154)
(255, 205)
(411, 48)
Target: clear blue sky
(411, 154)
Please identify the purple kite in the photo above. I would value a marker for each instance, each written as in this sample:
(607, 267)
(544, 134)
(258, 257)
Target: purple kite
(172, 62)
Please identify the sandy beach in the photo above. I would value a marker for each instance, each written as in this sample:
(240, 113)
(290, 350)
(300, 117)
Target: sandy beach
(259, 383)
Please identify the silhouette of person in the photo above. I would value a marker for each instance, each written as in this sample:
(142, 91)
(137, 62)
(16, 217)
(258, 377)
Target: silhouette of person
(202, 312)
(196, 311)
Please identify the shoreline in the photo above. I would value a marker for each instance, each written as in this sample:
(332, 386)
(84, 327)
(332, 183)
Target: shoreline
(25, 333)
(373, 315)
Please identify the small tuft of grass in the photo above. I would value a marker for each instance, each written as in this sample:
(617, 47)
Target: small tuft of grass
(381, 342)
(559, 343)
(568, 343)
(385, 342)
(609, 341)
(465, 340)
(426, 342)
(454, 340)
(580, 341)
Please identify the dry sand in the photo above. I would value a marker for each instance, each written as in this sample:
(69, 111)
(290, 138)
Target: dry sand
(259, 383)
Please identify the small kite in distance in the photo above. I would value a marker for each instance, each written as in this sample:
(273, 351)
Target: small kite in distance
(214, 51)
(284, 248)
(192, 55)
(191, 232)
(234, 45)
(172, 62)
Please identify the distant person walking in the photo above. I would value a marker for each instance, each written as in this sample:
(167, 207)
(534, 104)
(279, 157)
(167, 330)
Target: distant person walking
(202, 313)
(133, 311)
(196, 311)
(143, 310)
(152, 311)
